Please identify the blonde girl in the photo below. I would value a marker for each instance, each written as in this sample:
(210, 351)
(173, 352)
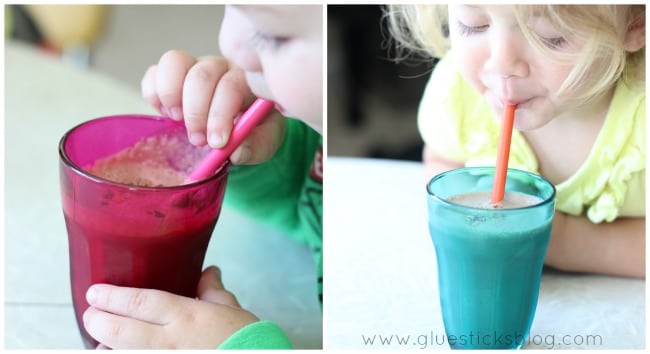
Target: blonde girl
(576, 74)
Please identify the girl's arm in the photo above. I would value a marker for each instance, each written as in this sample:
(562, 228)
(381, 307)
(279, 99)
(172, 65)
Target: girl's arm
(616, 248)
(434, 164)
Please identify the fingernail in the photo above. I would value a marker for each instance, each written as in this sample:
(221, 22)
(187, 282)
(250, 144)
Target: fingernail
(197, 138)
(85, 318)
(177, 113)
(216, 141)
(91, 295)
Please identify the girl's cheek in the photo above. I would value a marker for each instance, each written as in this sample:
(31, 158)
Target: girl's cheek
(300, 85)
(470, 61)
(249, 60)
(242, 54)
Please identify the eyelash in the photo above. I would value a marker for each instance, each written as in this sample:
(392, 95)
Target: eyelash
(468, 30)
(553, 43)
(264, 41)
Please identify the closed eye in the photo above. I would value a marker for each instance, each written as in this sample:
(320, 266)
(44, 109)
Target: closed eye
(263, 41)
(465, 30)
(555, 42)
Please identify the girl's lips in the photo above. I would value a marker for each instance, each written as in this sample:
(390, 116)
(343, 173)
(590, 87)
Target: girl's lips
(514, 102)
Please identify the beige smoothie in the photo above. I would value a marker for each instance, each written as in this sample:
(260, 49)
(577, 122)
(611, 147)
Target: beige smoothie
(156, 161)
(482, 200)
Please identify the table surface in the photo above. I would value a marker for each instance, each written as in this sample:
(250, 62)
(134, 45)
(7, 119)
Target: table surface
(272, 276)
(381, 277)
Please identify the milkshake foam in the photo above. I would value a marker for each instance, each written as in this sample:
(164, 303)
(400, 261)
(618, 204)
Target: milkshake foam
(483, 200)
(155, 161)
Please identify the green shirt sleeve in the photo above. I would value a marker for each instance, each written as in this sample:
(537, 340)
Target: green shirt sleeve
(286, 192)
(258, 335)
(272, 192)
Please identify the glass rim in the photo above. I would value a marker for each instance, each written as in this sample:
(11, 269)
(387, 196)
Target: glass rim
(65, 159)
(544, 201)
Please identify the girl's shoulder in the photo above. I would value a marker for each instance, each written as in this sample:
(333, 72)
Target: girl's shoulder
(628, 103)
(443, 111)
(611, 183)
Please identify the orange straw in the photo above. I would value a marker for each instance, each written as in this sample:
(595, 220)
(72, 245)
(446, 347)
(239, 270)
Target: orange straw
(503, 154)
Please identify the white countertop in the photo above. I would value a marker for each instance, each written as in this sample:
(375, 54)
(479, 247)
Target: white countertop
(271, 276)
(381, 277)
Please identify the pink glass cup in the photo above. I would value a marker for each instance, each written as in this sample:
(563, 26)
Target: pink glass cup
(145, 237)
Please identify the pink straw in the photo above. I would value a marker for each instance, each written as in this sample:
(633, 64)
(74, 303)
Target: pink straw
(243, 126)
(501, 170)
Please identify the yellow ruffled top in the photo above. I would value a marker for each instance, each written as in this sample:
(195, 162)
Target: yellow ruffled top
(458, 124)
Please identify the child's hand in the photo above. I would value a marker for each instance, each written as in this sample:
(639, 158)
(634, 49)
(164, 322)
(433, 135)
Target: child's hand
(129, 318)
(208, 93)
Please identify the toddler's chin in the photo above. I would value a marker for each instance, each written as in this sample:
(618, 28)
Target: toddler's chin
(527, 120)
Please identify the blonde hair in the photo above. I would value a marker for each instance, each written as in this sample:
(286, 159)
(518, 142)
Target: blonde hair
(600, 29)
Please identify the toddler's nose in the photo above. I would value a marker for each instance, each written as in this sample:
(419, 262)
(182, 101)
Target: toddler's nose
(506, 58)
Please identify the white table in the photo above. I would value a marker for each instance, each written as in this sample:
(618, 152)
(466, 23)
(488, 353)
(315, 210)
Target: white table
(381, 277)
(272, 276)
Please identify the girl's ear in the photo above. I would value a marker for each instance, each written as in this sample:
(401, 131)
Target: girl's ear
(635, 36)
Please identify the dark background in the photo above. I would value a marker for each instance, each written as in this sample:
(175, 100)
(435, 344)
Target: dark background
(372, 100)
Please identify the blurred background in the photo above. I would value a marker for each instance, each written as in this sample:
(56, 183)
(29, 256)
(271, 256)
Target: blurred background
(118, 40)
(372, 101)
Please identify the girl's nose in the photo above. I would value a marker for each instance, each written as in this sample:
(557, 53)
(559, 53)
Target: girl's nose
(235, 41)
(506, 56)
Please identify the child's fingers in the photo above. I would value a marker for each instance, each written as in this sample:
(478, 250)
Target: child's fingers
(142, 304)
(148, 88)
(170, 76)
(115, 331)
(231, 96)
(211, 289)
(198, 89)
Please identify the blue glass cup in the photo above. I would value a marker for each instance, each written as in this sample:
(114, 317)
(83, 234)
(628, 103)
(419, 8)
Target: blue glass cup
(489, 259)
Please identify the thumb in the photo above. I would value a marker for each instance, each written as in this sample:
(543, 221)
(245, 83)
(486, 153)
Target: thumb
(211, 289)
(263, 141)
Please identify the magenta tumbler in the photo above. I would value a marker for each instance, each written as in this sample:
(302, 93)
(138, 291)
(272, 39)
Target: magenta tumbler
(145, 237)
